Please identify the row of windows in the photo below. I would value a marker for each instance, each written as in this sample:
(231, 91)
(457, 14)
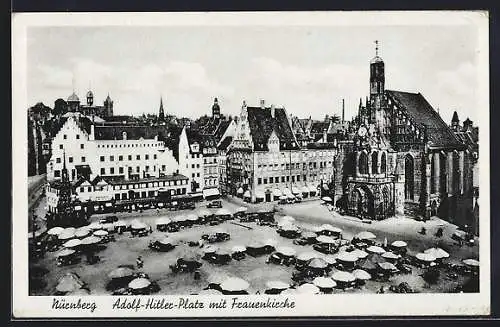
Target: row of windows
(84, 189)
(197, 175)
(120, 158)
(210, 160)
(136, 145)
(70, 160)
(66, 136)
(145, 194)
(276, 179)
(61, 147)
(193, 166)
(322, 164)
(130, 169)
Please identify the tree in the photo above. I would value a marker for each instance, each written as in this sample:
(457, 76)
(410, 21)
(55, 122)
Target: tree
(60, 107)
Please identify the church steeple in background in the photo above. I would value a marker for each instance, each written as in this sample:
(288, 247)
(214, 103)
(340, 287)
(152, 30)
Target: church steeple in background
(161, 113)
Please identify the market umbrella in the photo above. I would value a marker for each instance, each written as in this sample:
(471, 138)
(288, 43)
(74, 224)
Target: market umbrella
(277, 285)
(69, 282)
(203, 213)
(55, 231)
(120, 223)
(347, 257)
(390, 256)
(287, 251)
(91, 240)
(223, 212)
(330, 228)
(239, 248)
(438, 253)
(306, 256)
(308, 289)
(399, 244)
(375, 249)
(66, 234)
(95, 225)
(471, 262)
(100, 232)
(241, 209)
(365, 236)
(72, 243)
(360, 253)
(192, 217)
(343, 276)
(167, 241)
(427, 257)
(368, 265)
(163, 221)
(210, 249)
(270, 242)
(108, 227)
(178, 218)
(324, 282)
(234, 284)
(387, 266)
(330, 259)
(222, 252)
(326, 199)
(288, 218)
(361, 274)
(325, 239)
(308, 235)
(218, 278)
(318, 263)
(121, 272)
(65, 252)
(139, 283)
(82, 232)
(289, 227)
(139, 225)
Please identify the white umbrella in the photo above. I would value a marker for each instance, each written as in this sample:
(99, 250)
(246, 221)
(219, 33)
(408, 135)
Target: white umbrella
(330, 259)
(375, 249)
(471, 262)
(66, 234)
(360, 253)
(120, 223)
(399, 244)
(308, 289)
(325, 239)
(108, 227)
(365, 236)
(223, 212)
(192, 217)
(361, 274)
(210, 249)
(427, 257)
(288, 218)
(55, 231)
(343, 276)
(139, 225)
(179, 218)
(90, 240)
(163, 221)
(203, 213)
(242, 209)
(167, 241)
(218, 278)
(326, 199)
(306, 256)
(239, 248)
(324, 282)
(72, 243)
(390, 255)
(139, 283)
(233, 284)
(82, 232)
(347, 257)
(100, 232)
(330, 228)
(287, 251)
(270, 242)
(65, 252)
(438, 253)
(277, 285)
(95, 225)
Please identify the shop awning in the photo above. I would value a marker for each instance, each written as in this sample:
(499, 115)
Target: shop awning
(210, 192)
(277, 192)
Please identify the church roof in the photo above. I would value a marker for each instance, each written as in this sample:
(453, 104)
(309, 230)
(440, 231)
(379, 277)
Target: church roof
(262, 124)
(421, 112)
(73, 98)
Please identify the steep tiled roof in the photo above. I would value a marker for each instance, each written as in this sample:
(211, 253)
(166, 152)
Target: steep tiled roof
(319, 127)
(262, 124)
(133, 132)
(225, 143)
(82, 121)
(172, 140)
(221, 129)
(421, 112)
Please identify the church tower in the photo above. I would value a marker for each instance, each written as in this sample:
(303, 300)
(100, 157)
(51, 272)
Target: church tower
(108, 106)
(377, 114)
(216, 109)
(161, 114)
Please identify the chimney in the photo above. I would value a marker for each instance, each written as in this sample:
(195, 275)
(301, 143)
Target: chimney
(272, 110)
(343, 110)
(262, 103)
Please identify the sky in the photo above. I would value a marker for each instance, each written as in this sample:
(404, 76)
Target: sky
(306, 69)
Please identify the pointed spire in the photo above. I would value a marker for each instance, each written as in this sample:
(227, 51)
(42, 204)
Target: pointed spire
(161, 114)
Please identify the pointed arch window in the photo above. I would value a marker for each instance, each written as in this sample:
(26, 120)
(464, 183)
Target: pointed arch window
(383, 163)
(363, 163)
(375, 162)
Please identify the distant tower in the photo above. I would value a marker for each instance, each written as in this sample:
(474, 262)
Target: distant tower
(216, 109)
(73, 102)
(161, 114)
(377, 75)
(455, 121)
(108, 106)
(90, 98)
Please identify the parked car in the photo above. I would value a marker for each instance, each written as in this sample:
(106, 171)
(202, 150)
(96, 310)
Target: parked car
(215, 204)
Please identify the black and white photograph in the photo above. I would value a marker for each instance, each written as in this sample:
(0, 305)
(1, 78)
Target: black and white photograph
(250, 164)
